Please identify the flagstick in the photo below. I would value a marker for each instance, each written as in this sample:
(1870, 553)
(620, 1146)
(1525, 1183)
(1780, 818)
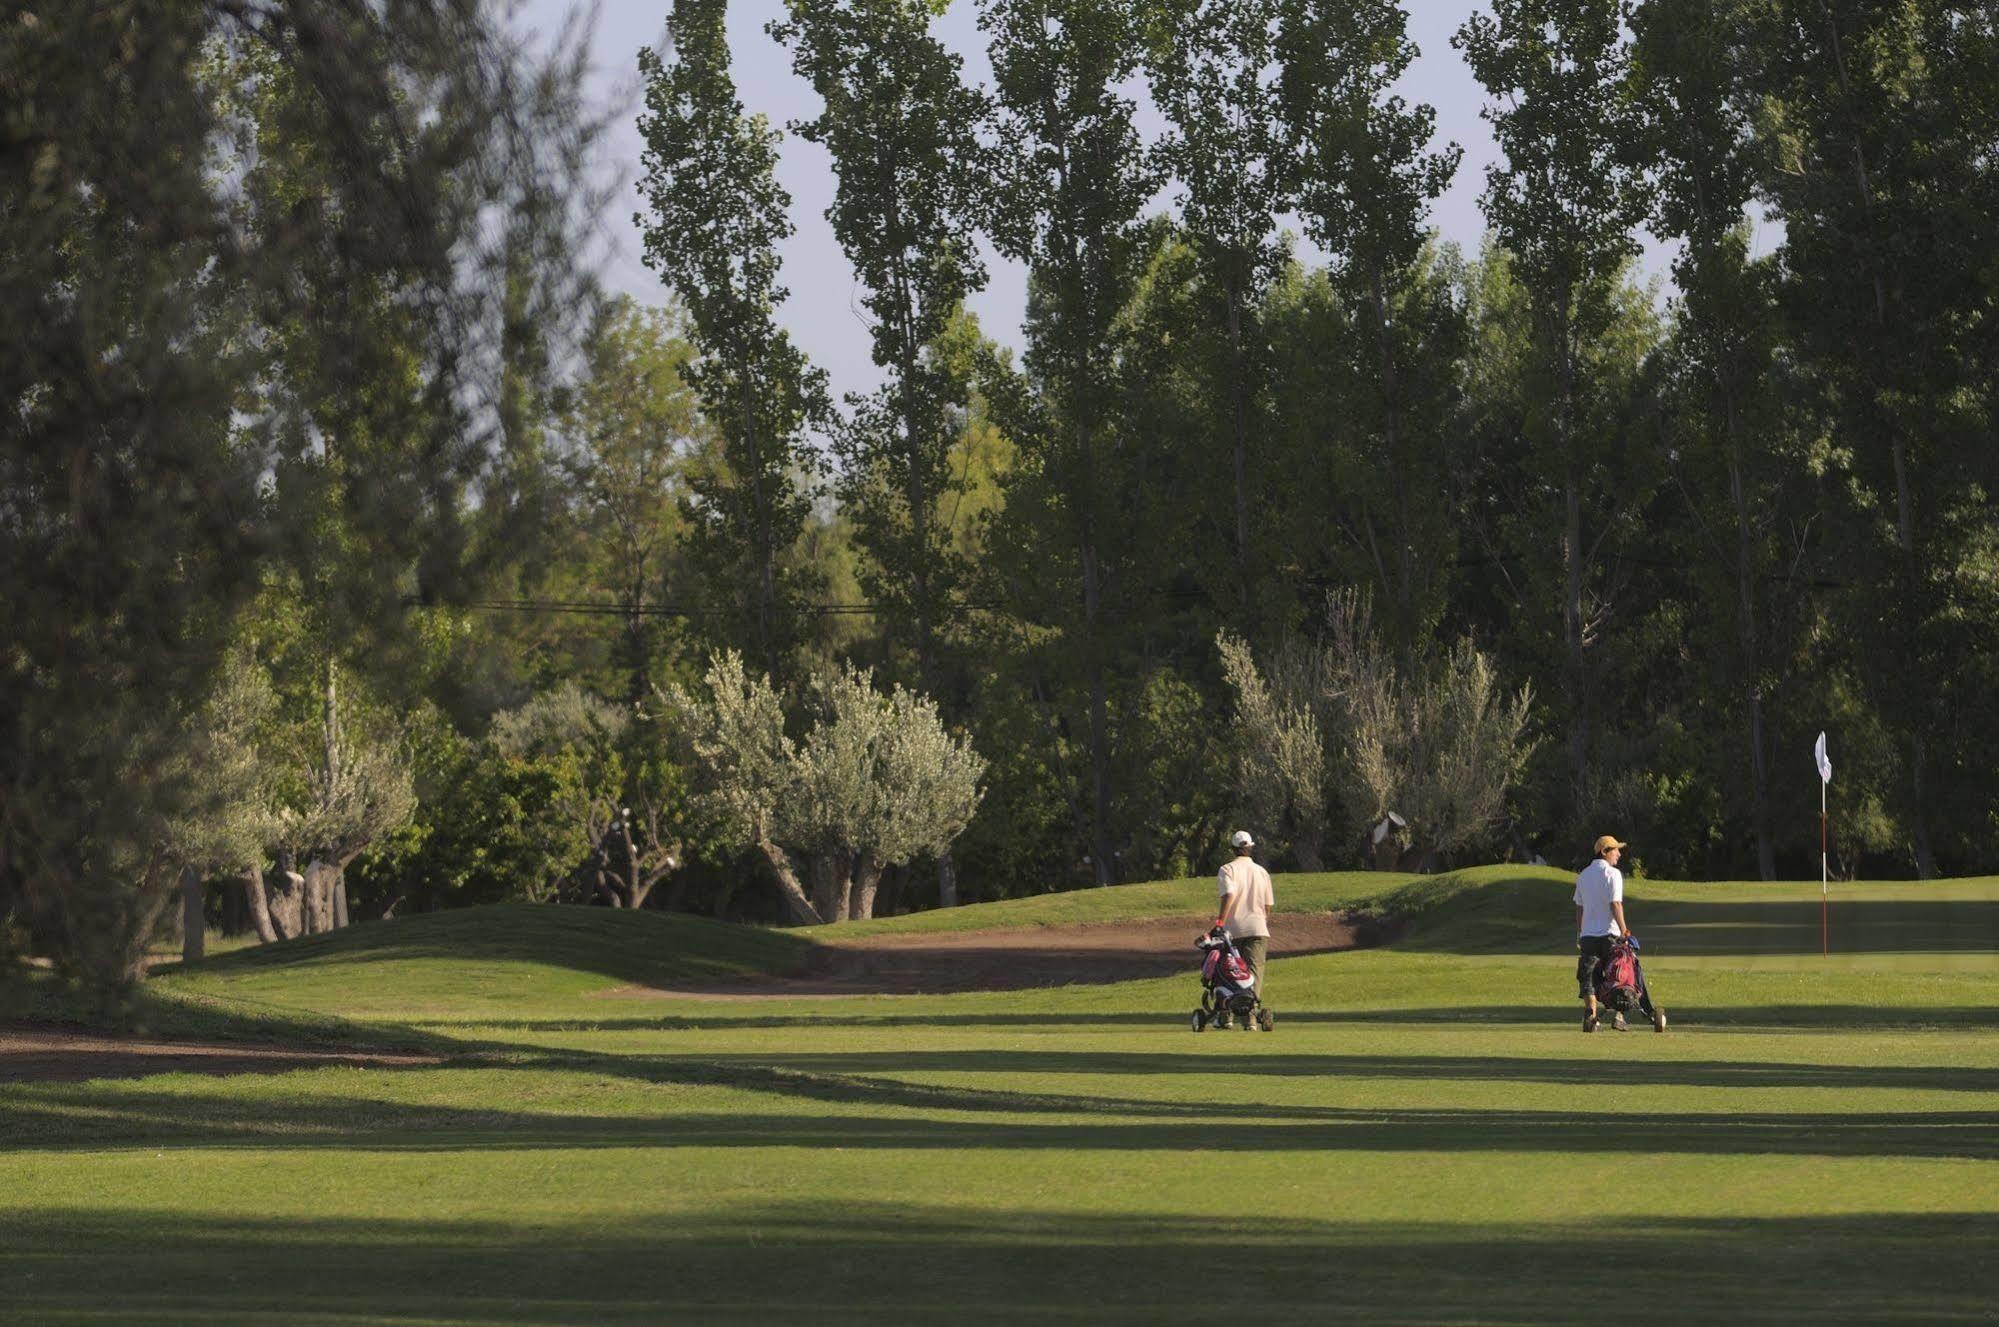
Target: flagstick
(1825, 946)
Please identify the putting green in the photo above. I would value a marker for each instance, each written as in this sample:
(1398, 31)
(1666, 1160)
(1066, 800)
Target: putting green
(1428, 1136)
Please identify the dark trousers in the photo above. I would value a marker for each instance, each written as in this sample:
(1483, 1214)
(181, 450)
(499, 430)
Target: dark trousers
(1252, 948)
(1595, 953)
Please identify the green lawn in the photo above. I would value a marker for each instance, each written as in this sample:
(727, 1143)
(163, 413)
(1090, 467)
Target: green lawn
(1428, 1137)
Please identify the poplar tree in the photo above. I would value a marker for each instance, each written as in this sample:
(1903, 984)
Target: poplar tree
(902, 129)
(717, 217)
(1690, 62)
(1364, 178)
(629, 431)
(1070, 183)
(1563, 203)
(1209, 66)
(1880, 153)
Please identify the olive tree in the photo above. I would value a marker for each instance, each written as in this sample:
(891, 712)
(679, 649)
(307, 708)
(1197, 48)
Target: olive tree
(1436, 744)
(1280, 754)
(734, 733)
(360, 788)
(879, 780)
(227, 830)
(876, 781)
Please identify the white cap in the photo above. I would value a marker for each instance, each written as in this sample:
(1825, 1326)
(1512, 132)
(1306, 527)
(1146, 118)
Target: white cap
(1241, 839)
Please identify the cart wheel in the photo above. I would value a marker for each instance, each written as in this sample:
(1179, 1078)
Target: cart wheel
(1266, 1020)
(1199, 1022)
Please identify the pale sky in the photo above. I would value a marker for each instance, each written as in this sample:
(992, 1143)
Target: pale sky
(823, 313)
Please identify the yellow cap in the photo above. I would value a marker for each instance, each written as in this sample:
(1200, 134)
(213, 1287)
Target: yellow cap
(1607, 842)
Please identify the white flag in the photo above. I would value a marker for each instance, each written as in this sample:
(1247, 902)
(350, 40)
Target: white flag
(1824, 761)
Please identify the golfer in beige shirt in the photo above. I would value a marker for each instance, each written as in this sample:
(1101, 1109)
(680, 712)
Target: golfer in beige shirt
(1246, 903)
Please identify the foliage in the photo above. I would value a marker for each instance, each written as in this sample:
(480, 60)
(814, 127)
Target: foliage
(496, 828)
(324, 533)
(365, 792)
(1209, 65)
(717, 217)
(1070, 185)
(876, 780)
(1564, 203)
(1875, 137)
(1280, 755)
(238, 819)
(901, 127)
(622, 796)
(1436, 745)
(629, 429)
(159, 369)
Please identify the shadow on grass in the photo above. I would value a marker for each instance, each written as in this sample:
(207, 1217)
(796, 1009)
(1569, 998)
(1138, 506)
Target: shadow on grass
(640, 946)
(319, 1115)
(1265, 1064)
(1529, 914)
(861, 1261)
(1557, 1012)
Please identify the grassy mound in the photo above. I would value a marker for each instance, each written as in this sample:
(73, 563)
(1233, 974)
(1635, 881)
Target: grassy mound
(482, 962)
(1192, 897)
(1524, 910)
(516, 962)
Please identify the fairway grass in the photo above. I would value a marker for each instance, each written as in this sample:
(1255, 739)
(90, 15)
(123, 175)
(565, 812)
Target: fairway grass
(1428, 1136)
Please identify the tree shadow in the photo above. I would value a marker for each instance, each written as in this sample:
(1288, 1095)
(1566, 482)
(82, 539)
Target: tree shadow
(1556, 1012)
(904, 1115)
(1526, 915)
(1264, 1063)
(861, 1259)
(630, 946)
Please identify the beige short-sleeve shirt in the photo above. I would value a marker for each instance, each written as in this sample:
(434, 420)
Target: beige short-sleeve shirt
(1254, 898)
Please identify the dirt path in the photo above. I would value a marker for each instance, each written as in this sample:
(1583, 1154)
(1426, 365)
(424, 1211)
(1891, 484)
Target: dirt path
(1018, 959)
(57, 1055)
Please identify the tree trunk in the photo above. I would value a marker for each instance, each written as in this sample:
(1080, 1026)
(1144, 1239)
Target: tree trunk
(337, 887)
(1574, 567)
(1100, 755)
(319, 881)
(867, 879)
(193, 934)
(1401, 587)
(1306, 850)
(1239, 426)
(1891, 426)
(1919, 828)
(798, 908)
(1752, 690)
(947, 880)
(603, 884)
(1572, 632)
(832, 884)
(235, 912)
(630, 887)
(719, 909)
(284, 902)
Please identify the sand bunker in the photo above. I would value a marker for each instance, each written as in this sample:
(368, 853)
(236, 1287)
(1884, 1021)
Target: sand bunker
(1017, 959)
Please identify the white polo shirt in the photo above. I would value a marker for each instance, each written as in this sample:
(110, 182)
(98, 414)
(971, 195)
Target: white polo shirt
(1250, 884)
(1599, 886)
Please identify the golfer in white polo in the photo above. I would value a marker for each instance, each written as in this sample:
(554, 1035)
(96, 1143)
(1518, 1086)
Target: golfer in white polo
(1600, 920)
(1246, 902)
